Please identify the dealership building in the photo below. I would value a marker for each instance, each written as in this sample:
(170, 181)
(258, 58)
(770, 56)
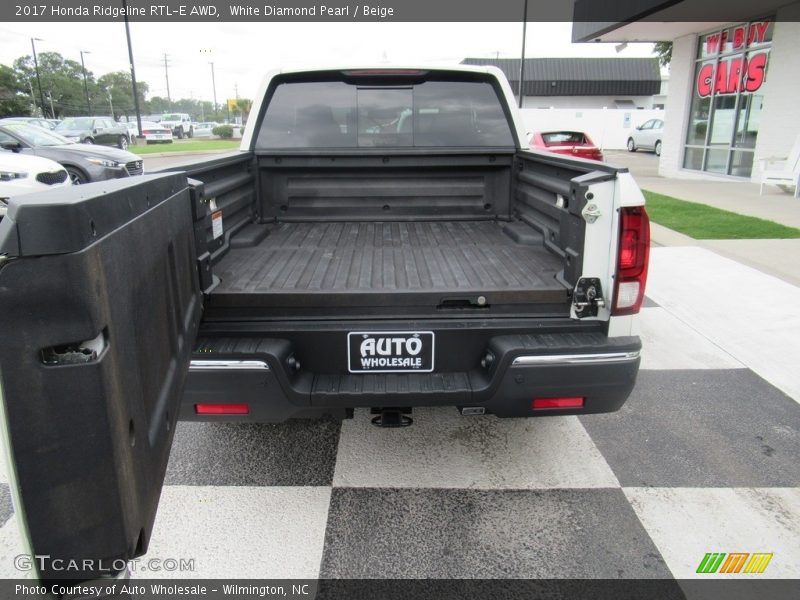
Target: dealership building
(583, 83)
(734, 86)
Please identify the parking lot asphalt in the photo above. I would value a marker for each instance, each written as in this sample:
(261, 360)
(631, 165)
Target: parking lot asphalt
(702, 458)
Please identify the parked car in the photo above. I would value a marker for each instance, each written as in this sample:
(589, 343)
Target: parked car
(204, 129)
(22, 174)
(43, 123)
(647, 136)
(180, 123)
(156, 133)
(83, 162)
(95, 130)
(571, 143)
(133, 130)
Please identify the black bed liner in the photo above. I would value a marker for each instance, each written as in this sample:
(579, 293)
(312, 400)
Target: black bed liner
(432, 264)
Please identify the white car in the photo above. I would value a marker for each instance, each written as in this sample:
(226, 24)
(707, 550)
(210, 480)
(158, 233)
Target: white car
(133, 131)
(647, 136)
(22, 174)
(204, 129)
(155, 133)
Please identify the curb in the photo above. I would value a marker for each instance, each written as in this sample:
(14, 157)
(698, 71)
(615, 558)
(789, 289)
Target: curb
(664, 236)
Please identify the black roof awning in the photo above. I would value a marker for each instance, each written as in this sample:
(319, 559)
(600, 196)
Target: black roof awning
(580, 76)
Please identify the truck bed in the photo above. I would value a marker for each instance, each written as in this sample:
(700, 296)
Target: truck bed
(429, 265)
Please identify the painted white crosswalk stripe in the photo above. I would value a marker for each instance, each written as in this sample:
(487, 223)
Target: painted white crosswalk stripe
(232, 531)
(686, 523)
(444, 449)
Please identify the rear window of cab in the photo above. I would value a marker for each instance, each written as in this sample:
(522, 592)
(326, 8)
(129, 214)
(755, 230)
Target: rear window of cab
(344, 114)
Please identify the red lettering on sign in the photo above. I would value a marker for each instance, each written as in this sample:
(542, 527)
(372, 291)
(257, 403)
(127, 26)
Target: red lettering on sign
(721, 81)
(704, 80)
(732, 75)
(735, 69)
(757, 33)
(712, 42)
(756, 69)
(738, 37)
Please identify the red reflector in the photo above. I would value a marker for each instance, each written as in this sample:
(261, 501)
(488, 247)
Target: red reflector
(567, 402)
(222, 409)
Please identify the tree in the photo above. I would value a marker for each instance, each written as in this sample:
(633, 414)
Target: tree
(61, 79)
(157, 105)
(118, 85)
(663, 50)
(244, 105)
(14, 102)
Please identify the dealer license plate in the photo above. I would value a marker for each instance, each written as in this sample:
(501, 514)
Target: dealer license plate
(390, 351)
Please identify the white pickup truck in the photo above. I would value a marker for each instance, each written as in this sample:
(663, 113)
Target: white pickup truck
(180, 123)
(384, 239)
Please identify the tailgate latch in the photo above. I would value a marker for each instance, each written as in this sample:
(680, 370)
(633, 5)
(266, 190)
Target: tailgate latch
(587, 297)
(591, 212)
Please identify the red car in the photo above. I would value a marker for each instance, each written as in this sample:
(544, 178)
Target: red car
(573, 143)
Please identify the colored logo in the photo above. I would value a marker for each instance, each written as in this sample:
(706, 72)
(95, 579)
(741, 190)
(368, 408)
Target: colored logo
(734, 562)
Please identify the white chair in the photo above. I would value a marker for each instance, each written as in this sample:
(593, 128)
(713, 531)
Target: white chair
(782, 172)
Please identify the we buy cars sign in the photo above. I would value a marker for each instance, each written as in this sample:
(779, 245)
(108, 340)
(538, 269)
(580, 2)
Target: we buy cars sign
(736, 73)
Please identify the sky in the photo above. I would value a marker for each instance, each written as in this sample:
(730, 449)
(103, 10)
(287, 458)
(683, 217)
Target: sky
(243, 52)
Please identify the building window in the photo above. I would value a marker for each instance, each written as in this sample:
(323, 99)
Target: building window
(730, 69)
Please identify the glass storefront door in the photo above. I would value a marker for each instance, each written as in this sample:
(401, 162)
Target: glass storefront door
(730, 69)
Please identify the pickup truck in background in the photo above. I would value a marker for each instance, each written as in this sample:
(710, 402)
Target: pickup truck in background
(384, 239)
(180, 124)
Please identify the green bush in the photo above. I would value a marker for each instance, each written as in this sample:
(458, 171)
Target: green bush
(223, 131)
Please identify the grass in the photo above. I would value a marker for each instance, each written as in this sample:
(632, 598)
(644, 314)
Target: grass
(704, 222)
(185, 146)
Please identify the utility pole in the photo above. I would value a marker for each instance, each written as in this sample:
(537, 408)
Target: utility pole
(36, 66)
(522, 61)
(86, 85)
(166, 75)
(110, 105)
(33, 97)
(214, 85)
(52, 110)
(133, 71)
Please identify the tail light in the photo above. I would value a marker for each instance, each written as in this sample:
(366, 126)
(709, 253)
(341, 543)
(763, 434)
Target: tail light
(146, 132)
(632, 259)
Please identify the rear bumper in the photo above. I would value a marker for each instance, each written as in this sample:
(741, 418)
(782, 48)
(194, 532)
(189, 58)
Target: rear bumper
(263, 373)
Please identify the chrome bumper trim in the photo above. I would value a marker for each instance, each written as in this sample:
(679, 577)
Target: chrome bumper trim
(574, 359)
(234, 365)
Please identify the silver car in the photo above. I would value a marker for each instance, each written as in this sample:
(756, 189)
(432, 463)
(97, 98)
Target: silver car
(647, 136)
